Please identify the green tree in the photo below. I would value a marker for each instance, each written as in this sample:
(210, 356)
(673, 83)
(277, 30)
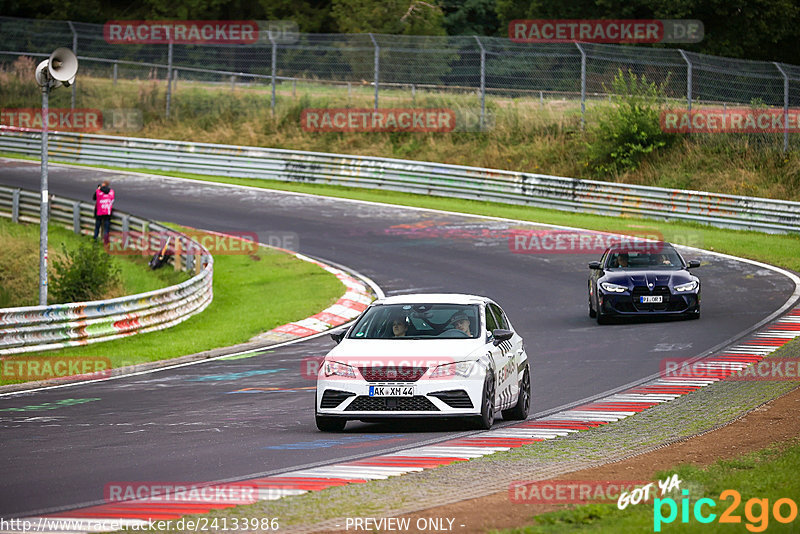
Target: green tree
(629, 129)
(470, 17)
(407, 17)
(85, 273)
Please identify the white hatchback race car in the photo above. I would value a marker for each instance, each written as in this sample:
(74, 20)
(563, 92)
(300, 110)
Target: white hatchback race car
(425, 355)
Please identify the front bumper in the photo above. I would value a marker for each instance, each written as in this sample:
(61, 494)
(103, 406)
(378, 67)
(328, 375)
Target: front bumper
(444, 397)
(629, 303)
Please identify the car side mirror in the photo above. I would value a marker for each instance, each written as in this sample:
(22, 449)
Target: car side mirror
(501, 334)
(594, 265)
(693, 264)
(338, 336)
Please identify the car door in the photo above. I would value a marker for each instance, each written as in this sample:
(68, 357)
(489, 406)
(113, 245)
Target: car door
(507, 382)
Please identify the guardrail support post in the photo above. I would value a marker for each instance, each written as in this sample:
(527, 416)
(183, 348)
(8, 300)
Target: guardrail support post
(169, 76)
(76, 217)
(75, 51)
(126, 228)
(583, 85)
(377, 66)
(116, 69)
(483, 81)
(15, 206)
(785, 107)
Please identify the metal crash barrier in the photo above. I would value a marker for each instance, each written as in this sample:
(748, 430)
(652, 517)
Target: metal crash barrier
(36, 328)
(554, 192)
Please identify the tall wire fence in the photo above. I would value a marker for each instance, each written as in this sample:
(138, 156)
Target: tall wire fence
(488, 67)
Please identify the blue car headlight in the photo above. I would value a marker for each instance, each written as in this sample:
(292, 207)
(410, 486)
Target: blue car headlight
(613, 288)
(691, 286)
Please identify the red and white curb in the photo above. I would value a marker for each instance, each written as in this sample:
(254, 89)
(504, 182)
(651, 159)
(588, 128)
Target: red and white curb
(614, 407)
(348, 307)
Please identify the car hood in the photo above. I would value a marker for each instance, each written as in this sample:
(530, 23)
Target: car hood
(646, 278)
(408, 352)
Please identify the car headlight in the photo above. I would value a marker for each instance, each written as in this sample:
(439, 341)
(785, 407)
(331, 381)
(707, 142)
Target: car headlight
(339, 369)
(453, 369)
(691, 286)
(613, 288)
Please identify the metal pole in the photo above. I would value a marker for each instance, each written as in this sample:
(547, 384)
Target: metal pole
(169, 77)
(583, 85)
(75, 51)
(377, 66)
(688, 86)
(274, 69)
(785, 108)
(44, 207)
(115, 73)
(483, 81)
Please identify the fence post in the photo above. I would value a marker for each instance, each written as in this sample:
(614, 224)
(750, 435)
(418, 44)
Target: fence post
(688, 83)
(74, 51)
(583, 84)
(274, 69)
(76, 217)
(15, 206)
(377, 66)
(115, 73)
(483, 80)
(233, 82)
(169, 76)
(785, 107)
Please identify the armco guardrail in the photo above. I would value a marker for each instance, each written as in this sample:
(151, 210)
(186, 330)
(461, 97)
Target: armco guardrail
(569, 194)
(35, 328)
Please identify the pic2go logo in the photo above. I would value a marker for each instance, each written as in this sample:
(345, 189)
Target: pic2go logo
(756, 511)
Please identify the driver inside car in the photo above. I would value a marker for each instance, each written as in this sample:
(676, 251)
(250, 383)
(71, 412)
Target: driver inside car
(460, 321)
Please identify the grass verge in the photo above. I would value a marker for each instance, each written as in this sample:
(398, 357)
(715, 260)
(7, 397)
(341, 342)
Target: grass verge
(760, 479)
(19, 256)
(252, 294)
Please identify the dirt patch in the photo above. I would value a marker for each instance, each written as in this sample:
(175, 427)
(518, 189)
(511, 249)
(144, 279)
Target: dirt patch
(774, 423)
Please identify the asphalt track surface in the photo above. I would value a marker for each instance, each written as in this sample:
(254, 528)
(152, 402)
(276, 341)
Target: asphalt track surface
(227, 419)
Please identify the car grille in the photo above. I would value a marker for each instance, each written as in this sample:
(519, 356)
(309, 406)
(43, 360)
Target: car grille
(457, 398)
(391, 404)
(640, 291)
(333, 398)
(392, 373)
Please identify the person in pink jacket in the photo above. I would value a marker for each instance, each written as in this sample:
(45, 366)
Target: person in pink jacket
(103, 206)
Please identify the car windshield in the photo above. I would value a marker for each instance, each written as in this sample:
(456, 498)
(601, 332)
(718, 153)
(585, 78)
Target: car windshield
(665, 258)
(418, 321)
